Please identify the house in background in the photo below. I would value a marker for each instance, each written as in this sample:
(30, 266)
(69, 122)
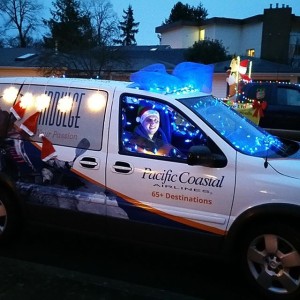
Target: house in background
(273, 36)
(252, 38)
(271, 41)
(25, 62)
(19, 62)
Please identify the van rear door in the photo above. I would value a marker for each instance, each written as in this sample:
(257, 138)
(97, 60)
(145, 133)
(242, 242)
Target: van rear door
(56, 153)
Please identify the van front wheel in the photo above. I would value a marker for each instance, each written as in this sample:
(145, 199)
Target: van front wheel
(270, 258)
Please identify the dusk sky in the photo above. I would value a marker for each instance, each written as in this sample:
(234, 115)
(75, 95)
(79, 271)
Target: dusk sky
(151, 14)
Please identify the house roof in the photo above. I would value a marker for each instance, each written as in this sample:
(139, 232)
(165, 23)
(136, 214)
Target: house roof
(19, 57)
(259, 66)
(174, 25)
(215, 20)
(136, 58)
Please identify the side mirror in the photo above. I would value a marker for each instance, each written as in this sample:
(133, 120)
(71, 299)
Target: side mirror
(202, 156)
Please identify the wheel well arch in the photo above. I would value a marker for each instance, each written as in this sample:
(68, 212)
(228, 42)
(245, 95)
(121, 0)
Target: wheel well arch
(7, 186)
(284, 213)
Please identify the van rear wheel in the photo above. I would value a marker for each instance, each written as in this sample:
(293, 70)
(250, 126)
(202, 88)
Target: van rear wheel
(8, 218)
(270, 258)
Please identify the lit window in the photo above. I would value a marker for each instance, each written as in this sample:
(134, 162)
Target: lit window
(201, 35)
(251, 52)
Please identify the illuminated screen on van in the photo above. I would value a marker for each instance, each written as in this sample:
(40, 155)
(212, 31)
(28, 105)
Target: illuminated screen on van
(62, 114)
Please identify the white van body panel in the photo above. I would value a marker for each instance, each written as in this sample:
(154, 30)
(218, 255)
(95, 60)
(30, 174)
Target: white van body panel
(148, 189)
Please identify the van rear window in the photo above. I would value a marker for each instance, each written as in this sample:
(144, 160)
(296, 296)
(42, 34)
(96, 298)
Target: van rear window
(64, 115)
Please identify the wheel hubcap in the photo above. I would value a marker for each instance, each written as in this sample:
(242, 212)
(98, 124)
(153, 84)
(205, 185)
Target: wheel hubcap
(275, 264)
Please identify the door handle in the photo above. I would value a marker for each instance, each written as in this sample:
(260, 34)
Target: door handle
(89, 162)
(122, 167)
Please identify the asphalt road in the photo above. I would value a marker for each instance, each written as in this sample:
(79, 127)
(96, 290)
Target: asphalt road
(47, 264)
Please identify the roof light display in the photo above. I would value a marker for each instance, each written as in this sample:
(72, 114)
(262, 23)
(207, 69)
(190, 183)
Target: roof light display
(186, 77)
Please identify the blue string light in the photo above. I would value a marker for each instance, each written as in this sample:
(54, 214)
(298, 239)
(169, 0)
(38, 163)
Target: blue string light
(187, 77)
(191, 77)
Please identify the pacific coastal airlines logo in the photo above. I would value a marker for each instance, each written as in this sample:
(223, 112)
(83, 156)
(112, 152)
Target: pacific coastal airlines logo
(168, 177)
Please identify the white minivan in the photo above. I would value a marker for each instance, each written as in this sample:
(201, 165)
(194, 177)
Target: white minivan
(73, 154)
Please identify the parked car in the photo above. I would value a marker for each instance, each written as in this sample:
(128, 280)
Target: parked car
(281, 114)
(73, 154)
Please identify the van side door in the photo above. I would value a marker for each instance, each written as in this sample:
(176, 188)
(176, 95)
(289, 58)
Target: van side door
(161, 194)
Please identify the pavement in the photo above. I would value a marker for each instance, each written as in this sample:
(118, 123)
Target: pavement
(24, 280)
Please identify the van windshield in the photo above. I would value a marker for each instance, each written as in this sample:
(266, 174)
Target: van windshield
(236, 129)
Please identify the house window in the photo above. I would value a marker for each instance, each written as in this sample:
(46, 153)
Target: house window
(201, 34)
(251, 52)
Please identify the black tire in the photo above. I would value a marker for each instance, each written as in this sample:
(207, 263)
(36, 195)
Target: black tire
(9, 218)
(270, 259)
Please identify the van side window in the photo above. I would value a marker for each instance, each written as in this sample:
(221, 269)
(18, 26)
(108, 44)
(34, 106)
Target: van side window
(257, 91)
(149, 127)
(65, 115)
(287, 96)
